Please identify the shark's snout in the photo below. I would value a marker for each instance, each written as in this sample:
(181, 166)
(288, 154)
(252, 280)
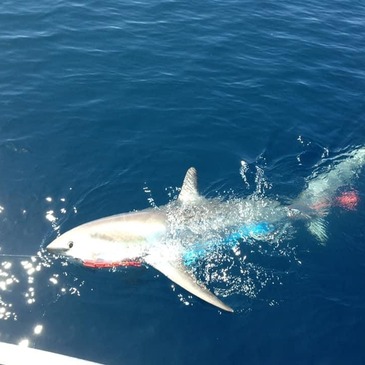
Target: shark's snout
(60, 246)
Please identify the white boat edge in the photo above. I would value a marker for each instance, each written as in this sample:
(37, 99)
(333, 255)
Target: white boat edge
(20, 355)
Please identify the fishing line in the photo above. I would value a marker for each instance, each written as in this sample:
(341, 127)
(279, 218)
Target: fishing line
(15, 255)
(42, 255)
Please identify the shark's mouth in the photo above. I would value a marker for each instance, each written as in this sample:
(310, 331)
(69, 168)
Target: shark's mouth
(101, 264)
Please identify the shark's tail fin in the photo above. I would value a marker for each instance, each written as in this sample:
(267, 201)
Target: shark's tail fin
(317, 225)
(324, 191)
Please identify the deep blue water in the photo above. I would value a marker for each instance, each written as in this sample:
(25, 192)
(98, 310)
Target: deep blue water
(101, 101)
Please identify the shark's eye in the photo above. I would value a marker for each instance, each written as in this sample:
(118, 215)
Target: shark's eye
(70, 244)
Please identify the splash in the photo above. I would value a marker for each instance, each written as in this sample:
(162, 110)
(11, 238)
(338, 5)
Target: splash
(228, 245)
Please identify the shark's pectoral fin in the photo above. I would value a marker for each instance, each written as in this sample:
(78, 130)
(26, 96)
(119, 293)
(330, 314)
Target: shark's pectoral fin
(318, 228)
(176, 272)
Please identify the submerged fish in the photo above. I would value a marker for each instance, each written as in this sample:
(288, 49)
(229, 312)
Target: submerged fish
(172, 237)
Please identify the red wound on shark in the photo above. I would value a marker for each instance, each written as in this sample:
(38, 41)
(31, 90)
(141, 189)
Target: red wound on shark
(99, 264)
(348, 200)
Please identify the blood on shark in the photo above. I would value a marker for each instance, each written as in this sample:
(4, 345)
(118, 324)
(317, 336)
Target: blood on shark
(172, 238)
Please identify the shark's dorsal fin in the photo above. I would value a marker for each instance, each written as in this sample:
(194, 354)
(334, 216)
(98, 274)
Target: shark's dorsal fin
(189, 189)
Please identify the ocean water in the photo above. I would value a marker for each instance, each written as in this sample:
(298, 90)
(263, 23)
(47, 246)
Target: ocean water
(103, 107)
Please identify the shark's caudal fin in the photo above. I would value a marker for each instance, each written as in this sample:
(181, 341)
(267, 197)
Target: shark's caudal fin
(189, 190)
(321, 193)
(176, 272)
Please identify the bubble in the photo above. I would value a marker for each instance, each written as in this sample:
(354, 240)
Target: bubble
(53, 280)
(38, 329)
(6, 265)
(50, 216)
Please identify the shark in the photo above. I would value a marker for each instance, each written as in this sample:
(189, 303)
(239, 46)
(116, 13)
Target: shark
(172, 238)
